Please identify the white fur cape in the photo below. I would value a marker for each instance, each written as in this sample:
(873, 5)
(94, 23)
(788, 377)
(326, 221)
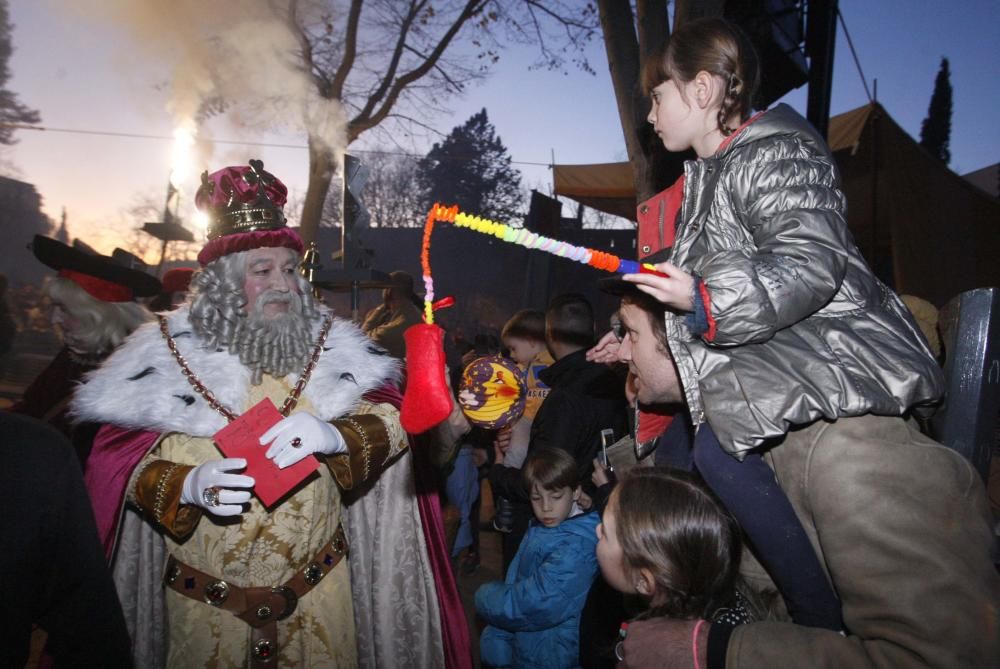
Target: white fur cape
(141, 384)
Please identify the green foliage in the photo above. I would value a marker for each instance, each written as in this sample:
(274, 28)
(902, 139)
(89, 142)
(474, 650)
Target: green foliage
(471, 168)
(11, 110)
(935, 131)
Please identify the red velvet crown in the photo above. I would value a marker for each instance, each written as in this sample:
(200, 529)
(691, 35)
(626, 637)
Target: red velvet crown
(244, 209)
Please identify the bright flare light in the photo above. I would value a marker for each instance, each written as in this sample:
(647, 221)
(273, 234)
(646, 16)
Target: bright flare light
(182, 154)
(200, 219)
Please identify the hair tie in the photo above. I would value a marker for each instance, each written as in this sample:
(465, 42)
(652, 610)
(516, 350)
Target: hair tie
(694, 643)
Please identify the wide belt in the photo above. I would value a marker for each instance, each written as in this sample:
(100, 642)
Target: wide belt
(261, 607)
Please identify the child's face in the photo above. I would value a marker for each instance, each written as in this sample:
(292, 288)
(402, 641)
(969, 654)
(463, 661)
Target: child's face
(523, 351)
(675, 118)
(551, 507)
(610, 556)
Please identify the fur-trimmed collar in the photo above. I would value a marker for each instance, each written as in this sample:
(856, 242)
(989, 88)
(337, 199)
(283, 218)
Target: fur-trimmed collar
(141, 385)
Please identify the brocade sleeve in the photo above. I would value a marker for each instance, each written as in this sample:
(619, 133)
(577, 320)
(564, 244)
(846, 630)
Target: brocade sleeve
(374, 438)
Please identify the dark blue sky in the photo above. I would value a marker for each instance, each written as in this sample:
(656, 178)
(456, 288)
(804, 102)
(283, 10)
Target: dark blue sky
(85, 74)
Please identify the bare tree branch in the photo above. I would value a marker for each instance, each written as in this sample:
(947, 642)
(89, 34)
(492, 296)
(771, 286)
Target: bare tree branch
(397, 54)
(366, 119)
(350, 49)
(345, 46)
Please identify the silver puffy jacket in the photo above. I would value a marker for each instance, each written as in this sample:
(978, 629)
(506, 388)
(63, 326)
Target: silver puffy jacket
(804, 330)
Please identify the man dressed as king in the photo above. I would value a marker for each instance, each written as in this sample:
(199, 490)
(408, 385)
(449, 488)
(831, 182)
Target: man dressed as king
(247, 584)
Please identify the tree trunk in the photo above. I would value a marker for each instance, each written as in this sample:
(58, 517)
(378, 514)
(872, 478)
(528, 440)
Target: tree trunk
(322, 167)
(653, 166)
(626, 55)
(622, 48)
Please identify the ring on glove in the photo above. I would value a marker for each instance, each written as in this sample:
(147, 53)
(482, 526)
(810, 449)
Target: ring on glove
(210, 496)
(296, 442)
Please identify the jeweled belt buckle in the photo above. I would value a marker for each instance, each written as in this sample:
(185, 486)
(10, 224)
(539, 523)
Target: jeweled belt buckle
(216, 592)
(291, 600)
(264, 650)
(339, 543)
(313, 574)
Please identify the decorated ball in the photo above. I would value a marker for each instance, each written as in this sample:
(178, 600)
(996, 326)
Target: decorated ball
(492, 392)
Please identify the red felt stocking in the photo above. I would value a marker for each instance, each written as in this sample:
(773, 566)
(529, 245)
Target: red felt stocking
(427, 400)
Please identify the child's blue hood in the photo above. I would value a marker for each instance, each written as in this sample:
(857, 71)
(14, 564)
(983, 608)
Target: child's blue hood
(583, 525)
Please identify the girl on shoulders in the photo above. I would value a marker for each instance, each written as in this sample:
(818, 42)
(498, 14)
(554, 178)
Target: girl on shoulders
(773, 318)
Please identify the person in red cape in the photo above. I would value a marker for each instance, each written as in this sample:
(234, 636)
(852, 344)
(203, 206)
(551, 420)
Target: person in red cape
(93, 311)
(339, 571)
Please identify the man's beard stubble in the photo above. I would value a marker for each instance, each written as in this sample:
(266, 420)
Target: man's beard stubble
(279, 345)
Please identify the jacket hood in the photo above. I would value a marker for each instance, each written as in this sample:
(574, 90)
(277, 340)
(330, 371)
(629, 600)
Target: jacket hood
(774, 123)
(582, 525)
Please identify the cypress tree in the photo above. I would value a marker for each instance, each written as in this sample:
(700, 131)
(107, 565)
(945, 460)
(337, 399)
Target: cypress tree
(935, 131)
(11, 109)
(472, 168)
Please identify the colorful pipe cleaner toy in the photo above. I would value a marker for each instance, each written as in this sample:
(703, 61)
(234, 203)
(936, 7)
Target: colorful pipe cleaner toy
(530, 240)
(427, 400)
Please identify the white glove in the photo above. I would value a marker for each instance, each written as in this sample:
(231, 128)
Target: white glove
(209, 479)
(299, 435)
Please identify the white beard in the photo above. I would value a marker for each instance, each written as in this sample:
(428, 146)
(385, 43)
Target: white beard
(280, 345)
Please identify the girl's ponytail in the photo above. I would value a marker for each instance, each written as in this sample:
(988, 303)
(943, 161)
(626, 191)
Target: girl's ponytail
(732, 103)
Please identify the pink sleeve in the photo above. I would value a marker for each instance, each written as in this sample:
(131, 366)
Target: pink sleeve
(115, 454)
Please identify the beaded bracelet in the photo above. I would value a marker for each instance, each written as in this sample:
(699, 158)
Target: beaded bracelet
(131, 496)
(365, 445)
(161, 492)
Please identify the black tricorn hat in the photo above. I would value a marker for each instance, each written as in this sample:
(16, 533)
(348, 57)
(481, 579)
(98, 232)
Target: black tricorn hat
(99, 275)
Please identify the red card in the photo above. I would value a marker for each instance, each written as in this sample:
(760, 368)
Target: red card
(241, 439)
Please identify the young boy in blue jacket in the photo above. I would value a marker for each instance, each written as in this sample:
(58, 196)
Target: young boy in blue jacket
(534, 615)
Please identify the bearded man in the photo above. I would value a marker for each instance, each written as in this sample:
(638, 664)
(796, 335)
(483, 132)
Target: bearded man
(248, 584)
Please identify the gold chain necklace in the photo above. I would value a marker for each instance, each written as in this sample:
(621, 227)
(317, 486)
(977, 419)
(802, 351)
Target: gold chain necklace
(215, 404)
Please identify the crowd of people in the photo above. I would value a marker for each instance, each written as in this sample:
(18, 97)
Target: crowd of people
(805, 520)
(226, 482)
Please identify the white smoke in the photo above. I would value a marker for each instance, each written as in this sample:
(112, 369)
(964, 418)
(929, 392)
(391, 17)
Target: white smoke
(242, 53)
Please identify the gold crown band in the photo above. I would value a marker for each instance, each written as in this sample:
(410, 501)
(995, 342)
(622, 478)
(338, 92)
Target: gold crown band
(246, 220)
